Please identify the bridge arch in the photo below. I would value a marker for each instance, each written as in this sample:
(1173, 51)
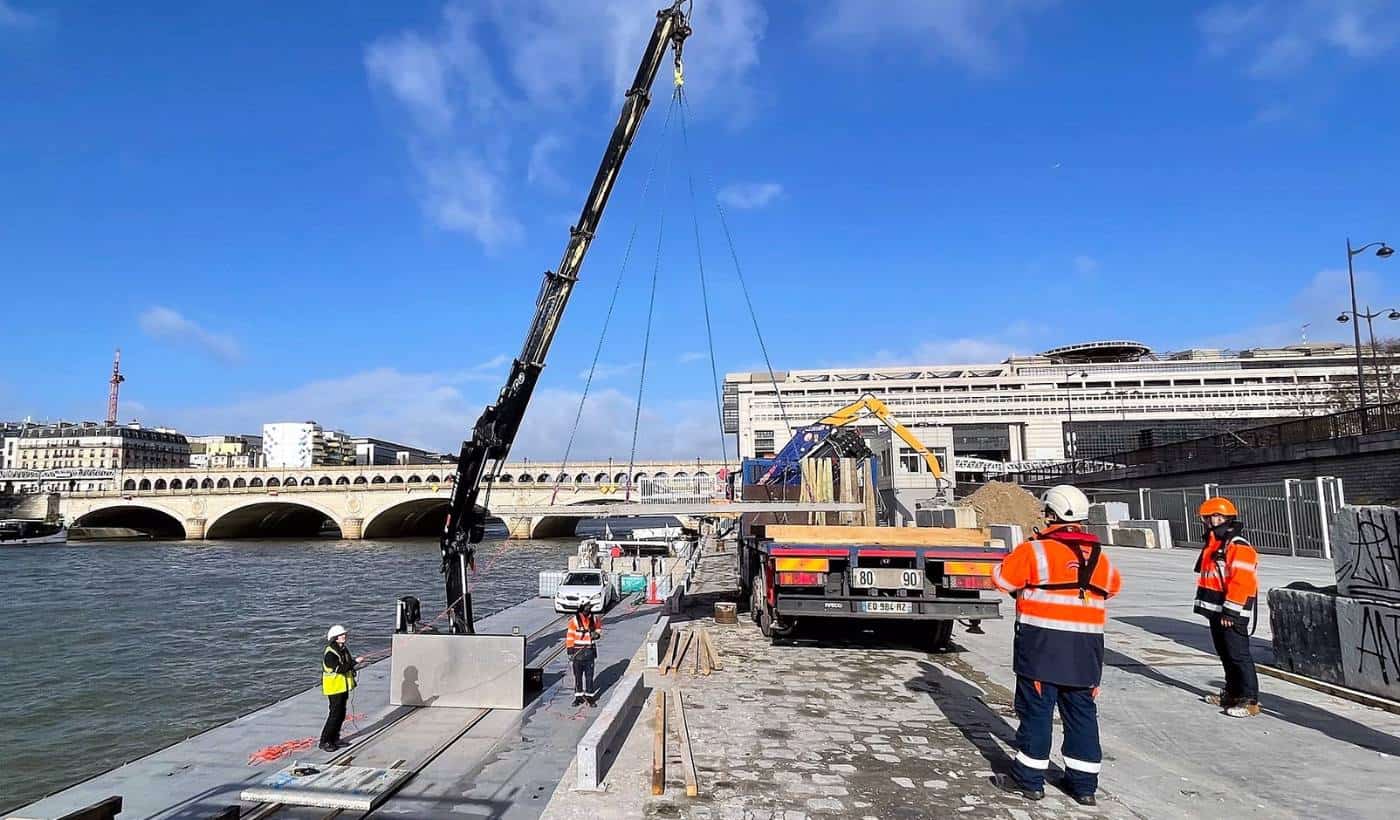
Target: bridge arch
(207, 484)
(526, 478)
(223, 484)
(415, 518)
(144, 485)
(379, 479)
(413, 479)
(256, 482)
(302, 518)
(583, 478)
(359, 479)
(152, 519)
(308, 481)
(543, 478)
(159, 485)
(324, 481)
(395, 479)
(177, 484)
(504, 478)
(273, 482)
(342, 481)
(433, 479)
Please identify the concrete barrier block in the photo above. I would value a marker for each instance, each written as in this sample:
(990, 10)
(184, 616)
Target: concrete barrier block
(1133, 537)
(1369, 632)
(965, 517)
(1161, 530)
(1304, 626)
(1103, 531)
(1108, 512)
(610, 725)
(1008, 534)
(1366, 552)
(657, 638)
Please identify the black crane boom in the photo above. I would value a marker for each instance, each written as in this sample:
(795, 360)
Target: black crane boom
(495, 430)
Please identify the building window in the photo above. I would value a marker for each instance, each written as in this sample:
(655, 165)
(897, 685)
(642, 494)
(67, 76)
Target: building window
(763, 442)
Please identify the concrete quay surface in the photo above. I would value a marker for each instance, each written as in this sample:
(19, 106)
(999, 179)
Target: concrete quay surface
(506, 766)
(854, 727)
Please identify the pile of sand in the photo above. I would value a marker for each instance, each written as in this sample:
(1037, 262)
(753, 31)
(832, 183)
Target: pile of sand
(997, 502)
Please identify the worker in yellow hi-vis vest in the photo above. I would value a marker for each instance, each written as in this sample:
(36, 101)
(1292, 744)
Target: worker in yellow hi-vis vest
(337, 679)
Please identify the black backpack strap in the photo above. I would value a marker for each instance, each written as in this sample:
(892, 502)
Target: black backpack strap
(1086, 575)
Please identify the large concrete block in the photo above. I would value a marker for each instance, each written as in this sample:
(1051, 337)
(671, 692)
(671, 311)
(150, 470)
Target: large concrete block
(1133, 537)
(1370, 637)
(1008, 534)
(476, 671)
(1304, 626)
(1366, 552)
(1161, 530)
(1108, 512)
(616, 716)
(1103, 531)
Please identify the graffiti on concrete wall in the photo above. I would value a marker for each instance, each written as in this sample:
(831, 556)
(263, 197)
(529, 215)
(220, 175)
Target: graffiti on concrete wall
(1366, 551)
(1370, 638)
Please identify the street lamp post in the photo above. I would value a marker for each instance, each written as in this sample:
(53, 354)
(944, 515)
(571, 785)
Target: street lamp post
(1383, 251)
(1389, 313)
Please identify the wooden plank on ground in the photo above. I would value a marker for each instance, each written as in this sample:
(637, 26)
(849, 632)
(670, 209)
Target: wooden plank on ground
(685, 642)
(714, 655)
(877, 536)
(692, 783)
(702, 652)
(658, 746)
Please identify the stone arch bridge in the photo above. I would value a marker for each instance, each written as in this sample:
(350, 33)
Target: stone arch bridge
(367, 501)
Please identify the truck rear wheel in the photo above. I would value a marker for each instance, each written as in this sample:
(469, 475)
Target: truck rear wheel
(938, 636)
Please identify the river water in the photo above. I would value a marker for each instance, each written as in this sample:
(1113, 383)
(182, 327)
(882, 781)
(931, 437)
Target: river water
(109, 651)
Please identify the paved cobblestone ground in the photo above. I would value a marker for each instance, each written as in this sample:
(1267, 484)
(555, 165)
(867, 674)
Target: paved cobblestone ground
(850, 728)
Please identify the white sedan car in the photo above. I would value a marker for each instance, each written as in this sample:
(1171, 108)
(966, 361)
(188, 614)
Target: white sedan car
(584, 586)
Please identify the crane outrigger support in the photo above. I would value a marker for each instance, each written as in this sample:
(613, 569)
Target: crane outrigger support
(495, 431)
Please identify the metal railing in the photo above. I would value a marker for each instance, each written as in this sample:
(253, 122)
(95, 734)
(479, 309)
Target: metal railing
(1289, 517)
(687, 490)
(1215, 449)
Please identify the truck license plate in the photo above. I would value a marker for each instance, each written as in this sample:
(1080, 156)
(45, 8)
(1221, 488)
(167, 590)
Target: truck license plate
(864, 578)
(902, 607)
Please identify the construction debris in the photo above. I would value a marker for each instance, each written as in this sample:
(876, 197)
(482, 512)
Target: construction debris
(998, 502)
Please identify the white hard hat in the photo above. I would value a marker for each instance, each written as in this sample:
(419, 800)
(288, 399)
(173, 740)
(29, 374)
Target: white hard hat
(1066, 503)
(335, 632)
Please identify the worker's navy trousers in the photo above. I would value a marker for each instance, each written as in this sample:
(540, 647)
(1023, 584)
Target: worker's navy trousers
(1035, 705)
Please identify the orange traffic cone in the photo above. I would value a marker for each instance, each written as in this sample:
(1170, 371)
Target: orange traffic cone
(651, 591)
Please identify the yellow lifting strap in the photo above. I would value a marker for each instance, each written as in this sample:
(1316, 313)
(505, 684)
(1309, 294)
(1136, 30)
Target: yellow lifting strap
(679, 72)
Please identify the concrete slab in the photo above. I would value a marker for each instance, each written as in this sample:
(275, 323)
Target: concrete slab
(327, 787)
(460, 671)
(1161, 529)
(1108, 512)
(1009, 534)
(1366, 552)
(1369, 632)
(1133, 537)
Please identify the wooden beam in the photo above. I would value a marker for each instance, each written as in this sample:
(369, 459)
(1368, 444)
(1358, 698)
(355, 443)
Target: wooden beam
(658, 746)
(877, 536)
(692, 782)
(714, 655)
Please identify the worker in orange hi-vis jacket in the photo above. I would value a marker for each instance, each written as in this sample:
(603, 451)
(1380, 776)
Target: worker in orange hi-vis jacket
(1061, 581)
(1227, 588)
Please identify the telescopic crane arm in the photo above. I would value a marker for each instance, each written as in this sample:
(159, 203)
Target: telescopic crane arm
(881, 411)
(495, 430)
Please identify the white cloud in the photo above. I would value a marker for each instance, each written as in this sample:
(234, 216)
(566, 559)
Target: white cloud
(1085, 265)
(972, 33)
(541, 170)
(169, 326)
(475, 87)
(1279, 38)
(750, 194)
(436, 410)
(11, 17)
(692, 357)
(1317, 305)
(1017, 338)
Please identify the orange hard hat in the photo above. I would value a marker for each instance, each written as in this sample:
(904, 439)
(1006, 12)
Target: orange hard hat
(1218, 506)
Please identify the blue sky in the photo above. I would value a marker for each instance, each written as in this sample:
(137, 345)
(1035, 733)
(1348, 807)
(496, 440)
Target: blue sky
(340, 211)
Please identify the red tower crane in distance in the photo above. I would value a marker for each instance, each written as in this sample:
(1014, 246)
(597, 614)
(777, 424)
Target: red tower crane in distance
(117, 379)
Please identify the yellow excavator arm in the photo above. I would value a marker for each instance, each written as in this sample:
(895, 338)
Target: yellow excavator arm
(854, 411)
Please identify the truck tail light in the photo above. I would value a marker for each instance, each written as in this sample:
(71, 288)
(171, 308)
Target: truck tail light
(969, 582)
(801, 579)
(967, 568)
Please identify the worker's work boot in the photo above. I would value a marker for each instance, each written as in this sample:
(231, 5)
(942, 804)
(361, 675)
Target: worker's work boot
(578, 700)
(591, 700)
(1085, 799)
(1246, 709)
(1008, 784)
(1220, 699)
(326, 747)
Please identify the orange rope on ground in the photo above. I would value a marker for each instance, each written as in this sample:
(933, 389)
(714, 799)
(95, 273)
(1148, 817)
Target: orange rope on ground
(277, 751)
